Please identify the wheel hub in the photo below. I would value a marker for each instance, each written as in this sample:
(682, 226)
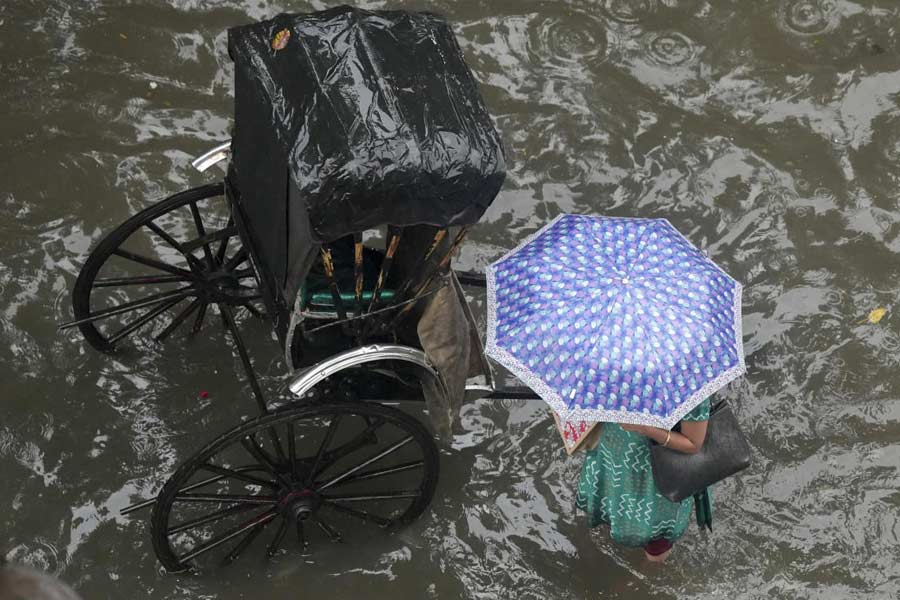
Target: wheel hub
(299, 505)
(225, 287)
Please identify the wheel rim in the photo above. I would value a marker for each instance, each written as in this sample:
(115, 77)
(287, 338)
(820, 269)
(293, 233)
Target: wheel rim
(295, 478)
(161, 269)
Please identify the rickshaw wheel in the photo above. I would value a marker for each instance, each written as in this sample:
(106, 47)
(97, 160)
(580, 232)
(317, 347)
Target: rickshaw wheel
(315, 472)
(166, 264)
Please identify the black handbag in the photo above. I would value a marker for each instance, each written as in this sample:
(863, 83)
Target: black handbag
(725, 451)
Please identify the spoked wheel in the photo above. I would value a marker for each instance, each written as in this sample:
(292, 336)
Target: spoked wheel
(295, 479)
(162, 268)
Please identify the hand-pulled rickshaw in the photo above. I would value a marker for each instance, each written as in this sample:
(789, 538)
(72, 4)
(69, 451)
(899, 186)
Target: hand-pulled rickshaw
(361, 154)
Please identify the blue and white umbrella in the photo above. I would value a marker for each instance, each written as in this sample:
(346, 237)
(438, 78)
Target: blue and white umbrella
(615, 319)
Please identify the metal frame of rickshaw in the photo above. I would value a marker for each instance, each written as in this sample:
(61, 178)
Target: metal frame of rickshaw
(309, 377)
(305, 385)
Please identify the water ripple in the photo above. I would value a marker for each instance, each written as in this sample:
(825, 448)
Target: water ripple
(578, 40)
(808, 17)
(671, 49)
(630, 11)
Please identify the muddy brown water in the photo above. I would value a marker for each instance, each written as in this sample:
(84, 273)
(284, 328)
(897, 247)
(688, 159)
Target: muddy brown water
(768, 132)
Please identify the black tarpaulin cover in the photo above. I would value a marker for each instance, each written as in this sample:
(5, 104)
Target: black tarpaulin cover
(354, 119)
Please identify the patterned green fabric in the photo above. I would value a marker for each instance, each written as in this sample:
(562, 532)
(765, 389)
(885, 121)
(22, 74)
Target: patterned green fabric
(617, 488)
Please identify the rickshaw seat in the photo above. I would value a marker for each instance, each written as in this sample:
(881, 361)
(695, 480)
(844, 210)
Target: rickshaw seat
(325, 301)
(316, 293)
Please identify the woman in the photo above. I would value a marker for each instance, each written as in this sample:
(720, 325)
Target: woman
(617, 488)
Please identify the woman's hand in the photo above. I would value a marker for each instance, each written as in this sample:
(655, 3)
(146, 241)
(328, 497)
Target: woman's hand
(689, 441)
(641, 429)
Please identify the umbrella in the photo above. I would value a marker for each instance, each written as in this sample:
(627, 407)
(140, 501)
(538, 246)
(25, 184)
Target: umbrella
(615, 319)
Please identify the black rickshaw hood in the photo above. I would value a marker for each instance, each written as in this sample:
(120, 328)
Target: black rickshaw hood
(348, 119)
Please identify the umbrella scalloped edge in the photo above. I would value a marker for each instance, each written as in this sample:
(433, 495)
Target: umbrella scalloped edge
(533, 381)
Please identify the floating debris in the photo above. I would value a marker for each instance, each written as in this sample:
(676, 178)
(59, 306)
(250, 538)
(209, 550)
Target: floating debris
(876, 314)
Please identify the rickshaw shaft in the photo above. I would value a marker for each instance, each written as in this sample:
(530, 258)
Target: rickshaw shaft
(230, 323)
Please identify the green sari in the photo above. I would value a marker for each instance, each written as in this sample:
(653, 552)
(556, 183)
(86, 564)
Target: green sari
(616, 488)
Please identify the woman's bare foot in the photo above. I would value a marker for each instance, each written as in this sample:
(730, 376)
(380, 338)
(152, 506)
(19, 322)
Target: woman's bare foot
(659, 558)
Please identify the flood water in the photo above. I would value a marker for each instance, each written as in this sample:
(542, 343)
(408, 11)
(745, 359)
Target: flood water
(767, 132)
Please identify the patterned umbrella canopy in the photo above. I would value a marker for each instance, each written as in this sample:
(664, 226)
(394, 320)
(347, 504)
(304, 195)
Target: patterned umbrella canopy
(615, 319)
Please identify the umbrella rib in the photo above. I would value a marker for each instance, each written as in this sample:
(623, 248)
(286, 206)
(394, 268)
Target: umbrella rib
(697, 266)
(572, 272)
(711, 330)
(691, 254)
(523, 321)
(642, 241)
(654, 294)
(640, 318)
(531, 312)
(596, 335)
(572, 268)
(664, 279)
(590, 231)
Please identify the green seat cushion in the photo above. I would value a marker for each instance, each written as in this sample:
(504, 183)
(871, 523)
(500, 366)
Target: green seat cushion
(323, 300)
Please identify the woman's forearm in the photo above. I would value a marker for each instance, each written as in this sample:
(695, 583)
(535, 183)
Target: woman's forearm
(677, 441)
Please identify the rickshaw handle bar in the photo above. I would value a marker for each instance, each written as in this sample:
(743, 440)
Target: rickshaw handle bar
(308, 378)
(208, 159)
(312, 376)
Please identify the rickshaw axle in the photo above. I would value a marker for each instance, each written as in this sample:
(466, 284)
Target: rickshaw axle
(224, 287)
(299, 505)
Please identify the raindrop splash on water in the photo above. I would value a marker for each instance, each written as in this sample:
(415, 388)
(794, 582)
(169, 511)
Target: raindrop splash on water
(808, 17)
(566, 169)
(573, 42)
(629, 11)
(670, 49)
